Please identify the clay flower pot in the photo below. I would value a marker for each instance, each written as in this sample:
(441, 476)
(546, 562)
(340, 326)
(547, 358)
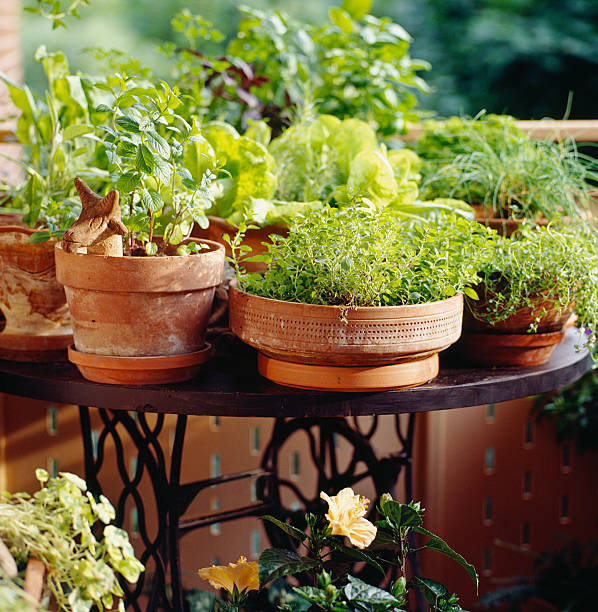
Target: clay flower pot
(37, 323)
(504, 227)
(140, 308)
(337, 348)
(508, 342)
(254, 238)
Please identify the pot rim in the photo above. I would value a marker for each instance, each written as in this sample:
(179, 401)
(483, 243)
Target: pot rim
(327, 309)
(214, 248)
(150, 274)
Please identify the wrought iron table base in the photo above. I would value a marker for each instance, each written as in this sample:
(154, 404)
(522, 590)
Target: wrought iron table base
(171, 498)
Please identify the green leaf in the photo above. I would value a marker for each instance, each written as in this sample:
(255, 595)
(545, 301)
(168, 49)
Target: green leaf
(357, 8)
(432, 591)
(38, 237)
(127, 123)
(341, 19)
(152, 200)
(357, 554)
(74, 131)
(289, 529)
(401, 515)
(438, 544)
(470, 293)
(360, 592)
(162, 169)
(277, 562)
(128, 182)
(151, 248)
(145, 159)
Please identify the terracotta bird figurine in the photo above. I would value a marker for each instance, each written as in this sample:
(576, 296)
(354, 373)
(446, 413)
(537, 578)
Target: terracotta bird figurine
(99, 226)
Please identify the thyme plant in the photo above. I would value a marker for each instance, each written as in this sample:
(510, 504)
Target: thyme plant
(362, 256)
(557, 267)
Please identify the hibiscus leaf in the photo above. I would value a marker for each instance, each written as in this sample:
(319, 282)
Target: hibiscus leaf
(401, 515)
(435, 593)
(292, 531)
(359, 592)
(278, 562)
(436, 543)
(356, 554)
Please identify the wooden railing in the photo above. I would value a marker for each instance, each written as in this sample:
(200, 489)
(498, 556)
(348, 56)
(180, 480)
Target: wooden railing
(581, 130)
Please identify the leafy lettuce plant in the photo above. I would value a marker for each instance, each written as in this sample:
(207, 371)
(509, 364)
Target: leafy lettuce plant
(489, 161)
(145, 140)
(69, 531)
(362, 256)
(558, 267)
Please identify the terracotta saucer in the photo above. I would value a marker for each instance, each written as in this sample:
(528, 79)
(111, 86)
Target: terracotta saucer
(139, 370)
(348, 378)
(39, 349)
(509, 349)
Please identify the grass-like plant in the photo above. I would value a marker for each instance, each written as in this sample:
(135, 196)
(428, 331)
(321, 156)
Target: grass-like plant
(362, 256)
(558, 268)
(491, 162)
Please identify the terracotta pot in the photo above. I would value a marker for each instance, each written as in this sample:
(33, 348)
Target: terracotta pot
(504, 227)
(140, 306)
(509, 349)
(335, 335)
(254, 238)
(550, 319)
(32, 301)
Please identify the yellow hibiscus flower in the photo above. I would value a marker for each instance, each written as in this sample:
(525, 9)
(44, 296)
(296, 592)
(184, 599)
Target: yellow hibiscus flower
(346, 513)
(242, 574)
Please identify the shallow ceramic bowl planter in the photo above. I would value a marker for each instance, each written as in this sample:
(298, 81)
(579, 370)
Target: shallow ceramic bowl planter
(140, 320)
(254, 238)
(508, 343)
(36, 318)
(345, 349)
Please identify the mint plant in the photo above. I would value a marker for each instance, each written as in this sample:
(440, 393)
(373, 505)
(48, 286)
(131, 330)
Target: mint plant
(145, 140)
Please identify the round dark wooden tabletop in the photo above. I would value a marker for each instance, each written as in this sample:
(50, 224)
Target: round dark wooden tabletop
(232, 387)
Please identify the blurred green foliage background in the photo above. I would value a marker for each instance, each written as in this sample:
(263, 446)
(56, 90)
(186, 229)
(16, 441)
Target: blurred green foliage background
(522, 57)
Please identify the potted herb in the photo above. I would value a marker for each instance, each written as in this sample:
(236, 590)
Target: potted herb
(505, 173)
(59, 545)
(354, 288)
(140, 313)
(54, 134)
(319, 159)
(530, 286)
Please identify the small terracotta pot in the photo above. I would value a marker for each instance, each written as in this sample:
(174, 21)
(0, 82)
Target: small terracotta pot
(504, 227)
(509, 349)
(520, 322)
(32, 301)
(254, 238)
(140, 306)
